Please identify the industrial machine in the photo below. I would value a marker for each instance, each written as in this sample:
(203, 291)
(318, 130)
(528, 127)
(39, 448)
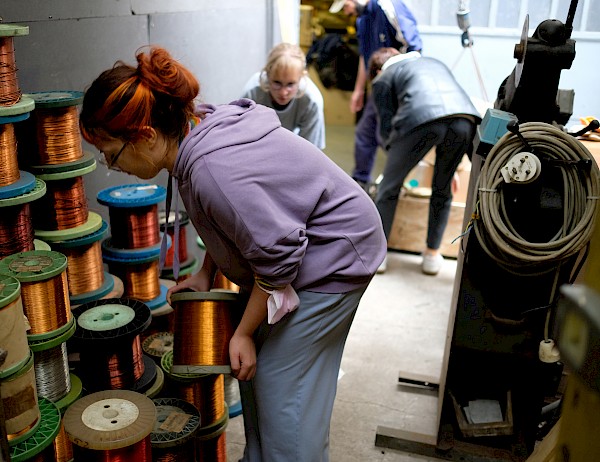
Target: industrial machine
(529, 219)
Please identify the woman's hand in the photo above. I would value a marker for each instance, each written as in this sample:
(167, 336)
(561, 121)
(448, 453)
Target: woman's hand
(242, 355)
(199, 282)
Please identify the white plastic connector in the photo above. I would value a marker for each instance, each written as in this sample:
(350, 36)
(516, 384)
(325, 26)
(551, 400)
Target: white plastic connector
(548, 351)
(523, 167)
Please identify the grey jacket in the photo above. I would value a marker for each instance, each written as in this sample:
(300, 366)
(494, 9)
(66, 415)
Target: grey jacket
(415, 91)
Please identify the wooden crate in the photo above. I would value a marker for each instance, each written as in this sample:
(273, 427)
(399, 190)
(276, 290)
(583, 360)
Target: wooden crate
(409, 230)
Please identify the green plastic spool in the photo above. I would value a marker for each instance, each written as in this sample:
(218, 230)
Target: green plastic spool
(41, 245)
(79, 168)
(44, 435)
(166, 363)
(13, 30)
(10, 289)
(93, 224)
(56, 99)
(73, 395)
(85, 161)
(34, 265)
(158, 384)
(38, 191)
(23, 106)
(52, 339)
(106, 317)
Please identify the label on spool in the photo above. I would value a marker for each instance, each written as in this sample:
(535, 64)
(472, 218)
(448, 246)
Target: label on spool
(34, 265)
(176, 422)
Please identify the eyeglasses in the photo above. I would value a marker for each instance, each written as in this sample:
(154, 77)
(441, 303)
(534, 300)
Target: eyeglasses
(110, 163)
(276, 85)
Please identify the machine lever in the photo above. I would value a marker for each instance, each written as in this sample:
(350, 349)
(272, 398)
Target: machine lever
(513, 127)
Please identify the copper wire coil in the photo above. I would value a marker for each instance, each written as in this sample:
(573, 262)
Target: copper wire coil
(182, 247)
(182, 453)
(141, 281)
(134, 228)
(58, 136)
(116, 369)
(207, 393)
(9, 84)
(46, 304)
(213, 449)
(16, 230)
(44, 456)
(62, 446)
(9, 165)
(202, 330)
(85, 271)
(138, 452)
(221, 282)
(64, 206)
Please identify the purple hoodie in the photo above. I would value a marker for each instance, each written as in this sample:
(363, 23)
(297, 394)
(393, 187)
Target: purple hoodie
(267, 202)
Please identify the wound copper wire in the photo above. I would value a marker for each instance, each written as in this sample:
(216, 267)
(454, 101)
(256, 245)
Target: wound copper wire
(201, 331)
(207, 393)
(16, 230)
(140, 281)
(58, 136)
(9, 84)
(181, 453)
(134, 228)
(52, 372)
(62, 446)
(212, 449)
(46, 303)
(116, 369)
(9, 165)
(64, 206)
(85, 271)
(138, 452)
(182, 239)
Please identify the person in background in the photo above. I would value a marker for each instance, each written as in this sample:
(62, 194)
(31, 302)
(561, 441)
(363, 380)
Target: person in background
(420, 105)
(278, 218)
(284, 85)
(379, 23)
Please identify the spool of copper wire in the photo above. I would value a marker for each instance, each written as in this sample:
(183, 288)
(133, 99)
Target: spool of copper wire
(85, 270)
(111, 425)
(211, 441)
(173, 437)
(10, 93)
(108, 340)
(203, 327)
(133, 213)
(167, 224)
(13, 330)
(20, 402)
(140, 281)
(222, 283)
(62, 447)
(44, 290)
(16, 226)
(64, 206)
(56, 123)
(205, 391)
(9, 167)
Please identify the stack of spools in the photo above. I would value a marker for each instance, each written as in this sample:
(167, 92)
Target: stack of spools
(31, 422)
(204, 324)
(18, 188)
(133, 249)
(62, 217)
(188, 264)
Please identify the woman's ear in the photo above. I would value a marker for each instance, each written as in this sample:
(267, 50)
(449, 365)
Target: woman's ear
(149, 135)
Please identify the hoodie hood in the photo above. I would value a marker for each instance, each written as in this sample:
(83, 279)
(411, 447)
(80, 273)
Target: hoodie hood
(220, 128)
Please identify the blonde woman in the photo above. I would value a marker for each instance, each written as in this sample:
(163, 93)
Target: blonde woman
(284, 86)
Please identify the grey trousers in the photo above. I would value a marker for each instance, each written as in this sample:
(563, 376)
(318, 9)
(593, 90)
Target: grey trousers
(452, 138)
(287, 406)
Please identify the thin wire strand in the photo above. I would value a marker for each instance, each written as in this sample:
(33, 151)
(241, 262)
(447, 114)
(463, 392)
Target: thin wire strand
(52, 372)
(9, 84)
(64, 206)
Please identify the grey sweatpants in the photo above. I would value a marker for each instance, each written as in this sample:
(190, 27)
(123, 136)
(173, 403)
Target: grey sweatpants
(287, 406)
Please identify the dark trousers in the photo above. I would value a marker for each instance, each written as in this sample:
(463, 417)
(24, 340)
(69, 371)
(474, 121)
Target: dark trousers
(452, 138)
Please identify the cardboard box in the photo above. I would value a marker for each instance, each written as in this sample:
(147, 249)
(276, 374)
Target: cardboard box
(409, 230)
